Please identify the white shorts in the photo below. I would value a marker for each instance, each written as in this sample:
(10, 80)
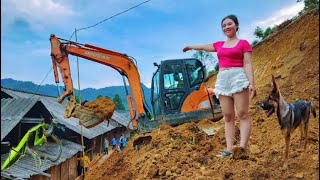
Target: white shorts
(230, 81)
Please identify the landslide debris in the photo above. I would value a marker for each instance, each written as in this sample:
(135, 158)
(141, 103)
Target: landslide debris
(185, 152)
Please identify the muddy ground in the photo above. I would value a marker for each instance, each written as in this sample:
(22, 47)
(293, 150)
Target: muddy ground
(185, 152)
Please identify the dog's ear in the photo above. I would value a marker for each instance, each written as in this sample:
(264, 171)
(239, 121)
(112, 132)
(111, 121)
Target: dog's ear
(275, 87)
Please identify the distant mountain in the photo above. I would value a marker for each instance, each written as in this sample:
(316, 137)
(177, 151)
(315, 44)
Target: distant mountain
(88, 94)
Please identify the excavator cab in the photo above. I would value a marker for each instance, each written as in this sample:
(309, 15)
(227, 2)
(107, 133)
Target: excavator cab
(175, 79)
(179, 95)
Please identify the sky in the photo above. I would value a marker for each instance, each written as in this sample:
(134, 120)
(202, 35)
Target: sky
(152, 32)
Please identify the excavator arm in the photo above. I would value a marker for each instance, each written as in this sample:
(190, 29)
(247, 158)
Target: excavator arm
(61, 48)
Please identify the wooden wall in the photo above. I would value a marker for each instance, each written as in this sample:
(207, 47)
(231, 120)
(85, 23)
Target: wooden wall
(66, 171)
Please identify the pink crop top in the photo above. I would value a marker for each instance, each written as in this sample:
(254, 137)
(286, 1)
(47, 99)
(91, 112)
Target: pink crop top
(231, 57)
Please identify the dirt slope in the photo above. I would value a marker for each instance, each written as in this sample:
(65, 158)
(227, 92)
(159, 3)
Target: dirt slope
(184, 152)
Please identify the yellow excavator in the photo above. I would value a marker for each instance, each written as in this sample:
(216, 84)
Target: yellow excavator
(178, 91)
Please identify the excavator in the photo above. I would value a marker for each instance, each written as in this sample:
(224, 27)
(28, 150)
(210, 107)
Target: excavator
(178, 89)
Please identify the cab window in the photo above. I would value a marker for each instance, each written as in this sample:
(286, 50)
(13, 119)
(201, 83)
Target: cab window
(195, 72)
(173, 77)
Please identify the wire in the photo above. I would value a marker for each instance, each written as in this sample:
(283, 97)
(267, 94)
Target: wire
(108, 18)
(42, 82)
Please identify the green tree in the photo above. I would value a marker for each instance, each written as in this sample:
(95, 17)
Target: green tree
(202, 56)
(77, 97)
(310, 4)
(254, 43)
(258, 32)
(99, 96)
(118, 102)
(267, 32)
(207, 59)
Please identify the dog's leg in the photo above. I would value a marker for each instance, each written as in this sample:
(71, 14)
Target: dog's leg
(306, 124)
(302, 133)
(287, 139)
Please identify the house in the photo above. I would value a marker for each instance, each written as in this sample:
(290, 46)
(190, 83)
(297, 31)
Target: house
(18, 115)
(67, 129)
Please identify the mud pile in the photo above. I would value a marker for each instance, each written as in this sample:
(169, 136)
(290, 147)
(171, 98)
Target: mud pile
(95, 112)
(186, 152)
(103, 108)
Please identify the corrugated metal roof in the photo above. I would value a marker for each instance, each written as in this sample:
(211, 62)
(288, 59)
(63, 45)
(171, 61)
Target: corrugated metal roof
(58, 110)
(12, 111)
(26, 167)
(122, 117)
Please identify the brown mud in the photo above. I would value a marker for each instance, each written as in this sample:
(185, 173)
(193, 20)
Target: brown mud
(103, 108)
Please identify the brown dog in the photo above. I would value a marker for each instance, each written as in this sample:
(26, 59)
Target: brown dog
(290, 116)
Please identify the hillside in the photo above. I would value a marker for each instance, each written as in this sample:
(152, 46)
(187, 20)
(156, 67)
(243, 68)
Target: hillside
(184, 152)
(88, 94)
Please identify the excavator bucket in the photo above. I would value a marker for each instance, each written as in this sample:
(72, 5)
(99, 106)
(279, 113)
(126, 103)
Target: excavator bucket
(95, 112)
(86, 116)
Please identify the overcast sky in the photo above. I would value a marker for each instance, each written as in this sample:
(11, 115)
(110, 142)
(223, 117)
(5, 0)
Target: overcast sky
(155, 31)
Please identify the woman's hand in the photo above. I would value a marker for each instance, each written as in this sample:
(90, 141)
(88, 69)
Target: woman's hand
(186, 49)
(252, 91)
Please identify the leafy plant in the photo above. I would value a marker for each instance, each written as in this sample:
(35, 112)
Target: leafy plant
(207, 60)
(310, 4)
(118, 102)
(258, 32)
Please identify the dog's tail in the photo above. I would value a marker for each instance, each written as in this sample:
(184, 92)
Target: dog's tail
(312, 109)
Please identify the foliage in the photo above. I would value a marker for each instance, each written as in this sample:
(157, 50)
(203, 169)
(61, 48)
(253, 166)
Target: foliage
(207, 60)
(310, 4)
(254, 43)
(118, 102)
(258, 32)
(202, 56)
(261, 34)
(77, 97)
(99, 96)
(267, 32)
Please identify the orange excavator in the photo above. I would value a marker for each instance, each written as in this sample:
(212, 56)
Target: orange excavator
(178, 91)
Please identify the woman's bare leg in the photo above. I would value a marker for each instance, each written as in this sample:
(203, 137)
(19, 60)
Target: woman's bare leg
(241, 102)
(227, 106)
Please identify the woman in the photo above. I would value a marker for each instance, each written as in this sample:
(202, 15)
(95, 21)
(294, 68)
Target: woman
(235, 81)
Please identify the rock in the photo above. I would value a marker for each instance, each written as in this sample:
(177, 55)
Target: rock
(161, 171)
(299, 175)
(315, 157)
(197, 165)
(153, 171)
(178, 171)
(168, 173)
(254, 149)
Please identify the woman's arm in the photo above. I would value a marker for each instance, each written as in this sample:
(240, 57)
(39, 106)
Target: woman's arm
(248, 68)
(207, 47)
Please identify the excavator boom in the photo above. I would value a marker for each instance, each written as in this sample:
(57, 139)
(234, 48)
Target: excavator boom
(60, 48)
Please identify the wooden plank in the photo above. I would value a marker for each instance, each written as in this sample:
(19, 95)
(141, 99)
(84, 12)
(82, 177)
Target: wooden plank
(55, 172)
(73, 172)
(64, 169)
